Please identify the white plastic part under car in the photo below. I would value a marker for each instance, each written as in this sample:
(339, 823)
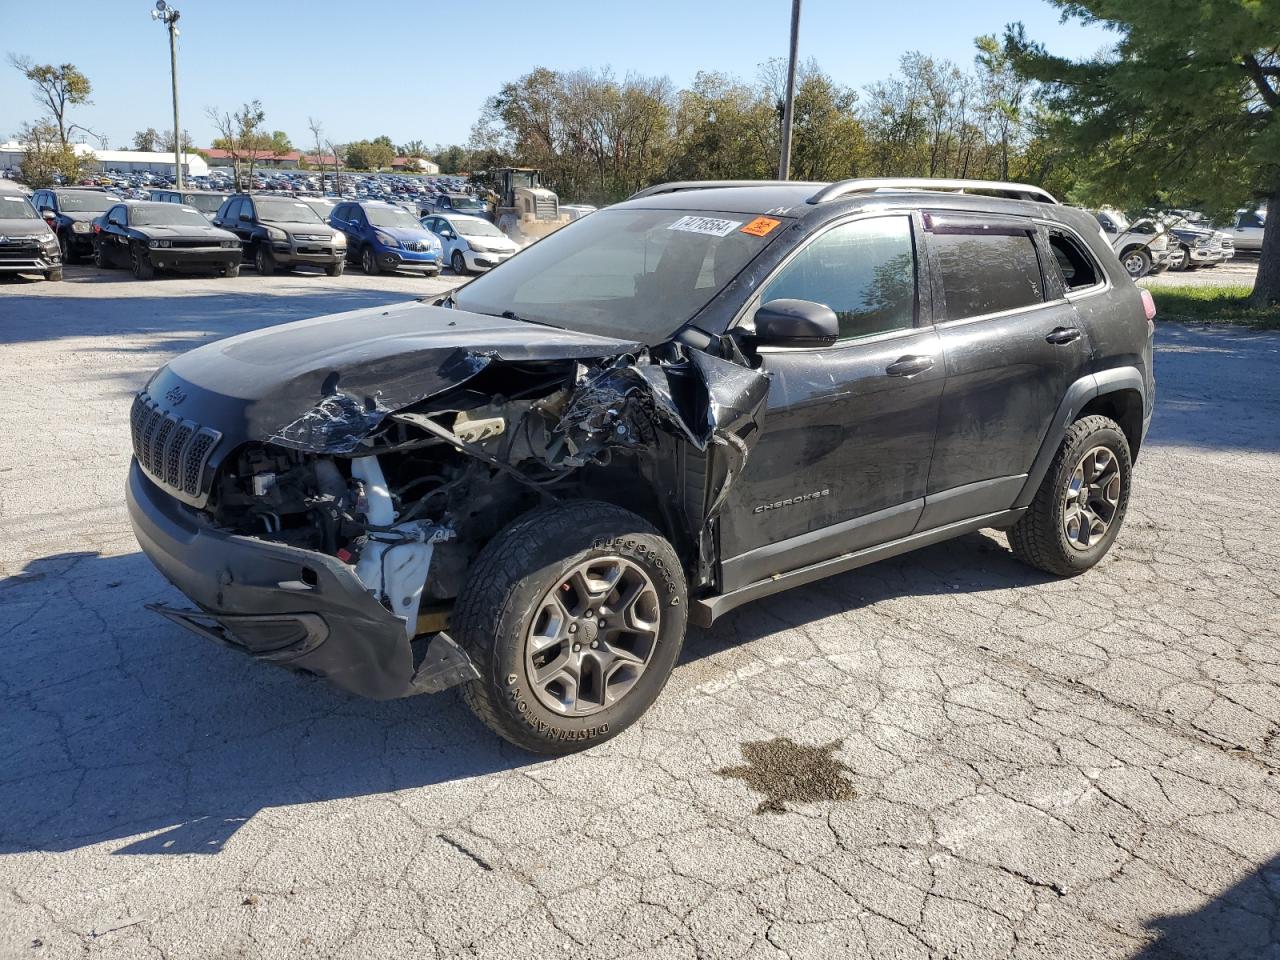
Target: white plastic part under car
(393, 565)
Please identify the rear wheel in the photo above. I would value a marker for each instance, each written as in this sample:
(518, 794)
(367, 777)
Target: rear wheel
(141, 265)
(574, 616)
(264, 261)
(1080, 506)
(459, 263)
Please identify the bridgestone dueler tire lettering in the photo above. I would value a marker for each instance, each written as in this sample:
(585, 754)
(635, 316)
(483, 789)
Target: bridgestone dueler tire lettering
(1037, 539)
(506, 585)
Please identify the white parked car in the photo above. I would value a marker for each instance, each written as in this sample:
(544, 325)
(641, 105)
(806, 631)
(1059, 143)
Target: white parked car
(1142, 246)
(1246, 229)
(470, 243)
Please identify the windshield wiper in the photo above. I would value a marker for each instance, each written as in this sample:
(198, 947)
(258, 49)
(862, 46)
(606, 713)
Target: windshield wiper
(512, 315)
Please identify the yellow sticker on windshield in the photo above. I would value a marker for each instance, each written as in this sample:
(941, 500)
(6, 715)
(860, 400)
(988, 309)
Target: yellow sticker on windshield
(760, 226)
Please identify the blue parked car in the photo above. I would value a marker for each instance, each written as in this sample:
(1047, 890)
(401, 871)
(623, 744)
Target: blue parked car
(382, 236)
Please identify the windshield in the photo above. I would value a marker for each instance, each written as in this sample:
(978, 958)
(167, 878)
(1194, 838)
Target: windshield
(16, 208)
(87, 202)
(392, 217)
(165, 215)
(476, 228)
(287, 210)
(204, 202)
(639, 274)
(466, 203)
(322, 207)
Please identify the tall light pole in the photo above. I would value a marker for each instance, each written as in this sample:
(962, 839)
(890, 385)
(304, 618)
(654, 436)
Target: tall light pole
(163, 13)
(784, 155)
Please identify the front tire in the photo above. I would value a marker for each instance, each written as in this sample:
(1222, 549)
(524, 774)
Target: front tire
(1137, 263)
(459, 263)
(1081, 504)
(334, 269)
(55, 274)
(141, 265)
(369, 262)
(68, 254)
(264, 261)
(574, 616)
(100, 258)
(231, 270)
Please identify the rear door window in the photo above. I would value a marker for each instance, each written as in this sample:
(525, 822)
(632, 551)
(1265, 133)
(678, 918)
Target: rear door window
(1078, 269)
(986, 268)
(865, 271)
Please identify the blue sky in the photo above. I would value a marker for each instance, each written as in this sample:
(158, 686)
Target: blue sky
(422, 71)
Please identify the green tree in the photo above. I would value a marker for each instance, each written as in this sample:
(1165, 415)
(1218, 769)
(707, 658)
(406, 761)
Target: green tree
(56, 89)
(1183, 112)
(370, 154)
(46, 157)
(147, 140)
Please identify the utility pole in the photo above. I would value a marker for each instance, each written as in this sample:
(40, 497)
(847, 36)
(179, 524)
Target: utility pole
(784, 155)
(167, 15)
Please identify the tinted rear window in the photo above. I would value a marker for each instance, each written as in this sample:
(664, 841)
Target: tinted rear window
(987, 273)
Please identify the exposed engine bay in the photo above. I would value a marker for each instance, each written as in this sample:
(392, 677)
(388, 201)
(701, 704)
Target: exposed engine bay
(408, 496)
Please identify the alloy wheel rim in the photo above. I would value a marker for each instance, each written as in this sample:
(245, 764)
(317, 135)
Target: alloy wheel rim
(368, 260)
(592, 636)
(1133, 264)
(1092, 498)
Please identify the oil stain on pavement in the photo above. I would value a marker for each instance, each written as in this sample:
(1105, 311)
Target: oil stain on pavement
(784, 770)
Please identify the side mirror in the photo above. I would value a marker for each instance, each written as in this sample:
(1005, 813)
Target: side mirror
(47, 213)
(244, 218)
(796, 323)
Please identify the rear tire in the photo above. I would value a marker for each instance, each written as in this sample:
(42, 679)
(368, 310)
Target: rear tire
(1081, 504)
(544, 592)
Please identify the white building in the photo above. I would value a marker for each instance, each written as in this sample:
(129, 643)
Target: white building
(125, 161)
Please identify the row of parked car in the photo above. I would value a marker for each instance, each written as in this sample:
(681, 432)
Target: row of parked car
(193, 231)
(1178, 239)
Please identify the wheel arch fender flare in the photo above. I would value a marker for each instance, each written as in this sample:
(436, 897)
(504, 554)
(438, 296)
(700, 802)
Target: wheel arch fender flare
(1078, 395)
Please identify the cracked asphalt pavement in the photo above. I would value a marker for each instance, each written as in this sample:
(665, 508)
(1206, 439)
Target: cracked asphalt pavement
(1018, 766)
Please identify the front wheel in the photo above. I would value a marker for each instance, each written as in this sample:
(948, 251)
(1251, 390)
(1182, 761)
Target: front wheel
(68, 254)
(1137, 263)
(231, 270)
(100, 258)
(574, 616)
(369, 262)
(459, 263)
(140, 263)
(264, 261)
(54, 274)
(1077, 512)
(334, 269)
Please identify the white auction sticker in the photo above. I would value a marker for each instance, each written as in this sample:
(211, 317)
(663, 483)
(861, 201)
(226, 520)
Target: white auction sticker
(711, 226)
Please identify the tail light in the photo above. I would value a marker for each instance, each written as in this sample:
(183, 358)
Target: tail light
(1149, 308)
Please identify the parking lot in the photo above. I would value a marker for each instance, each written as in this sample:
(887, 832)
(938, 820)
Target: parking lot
(1010, 765)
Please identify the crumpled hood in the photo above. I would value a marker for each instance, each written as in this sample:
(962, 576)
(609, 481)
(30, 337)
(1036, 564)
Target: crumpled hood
(323, 384)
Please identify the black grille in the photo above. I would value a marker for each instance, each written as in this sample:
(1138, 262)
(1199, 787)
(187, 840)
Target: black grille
(172, 451)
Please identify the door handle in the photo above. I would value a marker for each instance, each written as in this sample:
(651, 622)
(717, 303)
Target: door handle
(908, 366)
(1061, 335)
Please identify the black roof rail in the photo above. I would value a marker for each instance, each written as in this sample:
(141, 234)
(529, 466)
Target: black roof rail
(1014, 191)
(676, 186)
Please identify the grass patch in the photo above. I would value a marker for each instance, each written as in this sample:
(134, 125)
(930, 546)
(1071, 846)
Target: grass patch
(1213, 305)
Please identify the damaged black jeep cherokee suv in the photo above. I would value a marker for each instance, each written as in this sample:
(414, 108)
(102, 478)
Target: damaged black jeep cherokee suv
(698, 397)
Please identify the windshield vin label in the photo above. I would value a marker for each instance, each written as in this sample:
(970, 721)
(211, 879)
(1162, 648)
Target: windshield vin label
(710, 226)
